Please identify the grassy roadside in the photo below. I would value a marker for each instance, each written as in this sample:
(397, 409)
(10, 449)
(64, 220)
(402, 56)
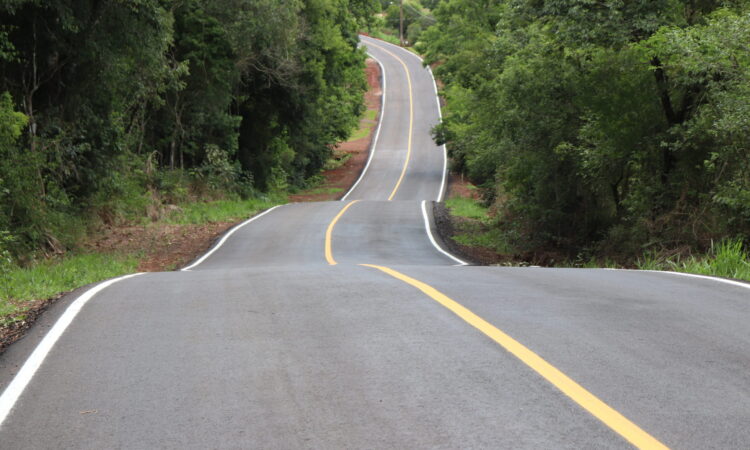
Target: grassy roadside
(727, 259)
(392, 39)
(50, 277)
(378, 34)
(474, 231)
(22, 288)
(222, 210)
(474, 228)
(366, 124)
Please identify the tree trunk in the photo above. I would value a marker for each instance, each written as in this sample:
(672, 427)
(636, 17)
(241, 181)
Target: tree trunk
(662, 84)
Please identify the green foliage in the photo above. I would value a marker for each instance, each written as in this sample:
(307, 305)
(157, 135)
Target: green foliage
(222, 210)
(364, 12)
(413, 32)
(386, 37)
(366, 124)
(415, 16)
(493, 239)
(728, 259)
(478, 230)
(323, 190)
(617, 125)
(393, 16)
(6, 260)
(307, 100)
(219, 173)
(115, 108)
(361, 132)
(467, 207)
(48, 278)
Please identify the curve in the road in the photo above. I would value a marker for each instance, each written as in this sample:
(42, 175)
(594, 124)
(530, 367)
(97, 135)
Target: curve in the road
(277, 337)
(410, 133)
(374, 143)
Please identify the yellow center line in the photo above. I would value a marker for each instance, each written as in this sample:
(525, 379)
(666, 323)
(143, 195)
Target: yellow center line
(329, 232)
(588, 401)
(411, 121)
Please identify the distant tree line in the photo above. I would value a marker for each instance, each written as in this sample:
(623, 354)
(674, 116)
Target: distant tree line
(416, 17)
(100, 98)
(609, 125)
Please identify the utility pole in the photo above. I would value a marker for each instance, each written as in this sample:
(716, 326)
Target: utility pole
(401, 25)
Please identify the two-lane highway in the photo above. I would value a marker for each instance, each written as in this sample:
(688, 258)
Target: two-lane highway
(345, 325)
(406, 164)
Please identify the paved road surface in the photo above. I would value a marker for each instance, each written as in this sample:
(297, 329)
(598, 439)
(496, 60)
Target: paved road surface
(281, 339)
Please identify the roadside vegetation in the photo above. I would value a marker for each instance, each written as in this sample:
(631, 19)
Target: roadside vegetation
(602, 131)
(366, 125)
(23, 286)
(160, 120)
(51, 277)
(475, 227)
(197, 213)
(417, 17)
(728, 259)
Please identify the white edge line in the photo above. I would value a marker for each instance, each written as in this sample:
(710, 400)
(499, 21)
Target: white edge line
(377, 130)
(441, 193)
(226, 236)
(684, 274)
(704, 277)
(432, 238)
(28, 370)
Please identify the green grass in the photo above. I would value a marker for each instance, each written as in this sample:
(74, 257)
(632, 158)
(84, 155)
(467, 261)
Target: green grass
(386, 37)
(360, 133)
(323, 190)
(477, 232)
(370, 114)
(222, 210)
(492, 239)
(591, 263)
(363, 129)
(467, 207)
(336, 161)
(48, 278)
(727, 259)
(393, 39)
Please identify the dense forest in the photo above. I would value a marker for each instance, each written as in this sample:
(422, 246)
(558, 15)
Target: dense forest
(600, 127)
(108, 107)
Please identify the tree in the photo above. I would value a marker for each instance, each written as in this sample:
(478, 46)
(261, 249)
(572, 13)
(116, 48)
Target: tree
(604, 123)
(121, 97)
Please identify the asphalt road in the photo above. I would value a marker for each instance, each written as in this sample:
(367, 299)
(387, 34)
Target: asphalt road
(280, 338)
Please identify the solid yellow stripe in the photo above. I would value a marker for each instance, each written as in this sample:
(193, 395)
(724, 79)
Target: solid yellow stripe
(411, 122)
(588, 401)
(329, 232)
